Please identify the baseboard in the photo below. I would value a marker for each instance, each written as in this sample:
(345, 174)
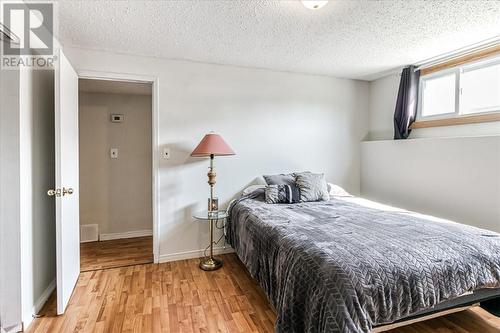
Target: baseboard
(128, 234)
(192, 254)
(39, 303)
(12, 329)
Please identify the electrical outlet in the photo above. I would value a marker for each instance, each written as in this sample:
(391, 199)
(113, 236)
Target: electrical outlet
(113, 153)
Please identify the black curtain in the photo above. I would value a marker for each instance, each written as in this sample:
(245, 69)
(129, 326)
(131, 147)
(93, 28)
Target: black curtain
(406, 104)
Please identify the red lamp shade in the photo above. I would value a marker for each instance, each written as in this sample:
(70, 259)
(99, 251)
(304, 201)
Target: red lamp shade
(212, 144)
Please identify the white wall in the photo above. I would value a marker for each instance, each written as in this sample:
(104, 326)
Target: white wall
(275, 121)
(26, 196)
(453, 178)
(27, 253)
(37, 176)
(10, 193)
(115, 194)
(451, 172)
(43, 178)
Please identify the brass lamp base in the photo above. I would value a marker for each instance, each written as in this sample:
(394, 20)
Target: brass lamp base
(210, 264)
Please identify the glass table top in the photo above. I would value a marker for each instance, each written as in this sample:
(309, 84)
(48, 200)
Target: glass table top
(215, 215)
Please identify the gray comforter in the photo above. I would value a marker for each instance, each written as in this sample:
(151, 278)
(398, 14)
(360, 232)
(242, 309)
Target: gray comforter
(337, 266)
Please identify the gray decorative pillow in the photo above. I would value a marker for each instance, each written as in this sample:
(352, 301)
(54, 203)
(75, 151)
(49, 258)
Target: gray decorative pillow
(288, 179)
(282, 194)
(312, 186)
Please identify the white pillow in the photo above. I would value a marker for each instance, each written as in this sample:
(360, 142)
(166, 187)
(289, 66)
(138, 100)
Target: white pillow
(337, 191)
(252, 188)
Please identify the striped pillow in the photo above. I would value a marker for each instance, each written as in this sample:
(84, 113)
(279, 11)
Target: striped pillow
(282, 194)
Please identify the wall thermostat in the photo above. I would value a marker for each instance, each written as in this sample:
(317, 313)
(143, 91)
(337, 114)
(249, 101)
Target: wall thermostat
(116, 118)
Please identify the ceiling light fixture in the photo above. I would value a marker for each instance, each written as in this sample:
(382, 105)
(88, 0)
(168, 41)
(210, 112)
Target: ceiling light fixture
(314, 4)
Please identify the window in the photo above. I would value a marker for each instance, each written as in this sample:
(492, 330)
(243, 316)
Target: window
(438, 95)
(480, 89)
(469, 89)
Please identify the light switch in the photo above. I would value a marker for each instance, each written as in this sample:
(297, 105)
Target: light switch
(166, 153)
(113, 153)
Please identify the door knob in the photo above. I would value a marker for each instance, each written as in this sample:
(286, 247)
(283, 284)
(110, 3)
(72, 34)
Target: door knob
(67, 191)
(54, 192)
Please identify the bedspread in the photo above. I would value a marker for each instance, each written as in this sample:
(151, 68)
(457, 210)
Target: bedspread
(337, 266)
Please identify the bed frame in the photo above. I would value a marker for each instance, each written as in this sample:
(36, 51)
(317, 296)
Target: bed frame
(490, 303)
(389, 327)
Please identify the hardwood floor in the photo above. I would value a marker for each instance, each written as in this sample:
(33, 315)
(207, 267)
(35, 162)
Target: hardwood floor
(179, 297)
(116, 253)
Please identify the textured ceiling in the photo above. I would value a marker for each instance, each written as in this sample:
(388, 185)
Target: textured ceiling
(114, 87)
(352, 39)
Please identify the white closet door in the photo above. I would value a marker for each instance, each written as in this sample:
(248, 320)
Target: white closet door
(66, 187)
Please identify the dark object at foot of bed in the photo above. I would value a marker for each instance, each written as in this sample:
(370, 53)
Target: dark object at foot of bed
(492, 306)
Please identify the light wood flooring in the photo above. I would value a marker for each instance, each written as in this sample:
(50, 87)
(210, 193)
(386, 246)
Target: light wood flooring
(179, 297)
(116, 253)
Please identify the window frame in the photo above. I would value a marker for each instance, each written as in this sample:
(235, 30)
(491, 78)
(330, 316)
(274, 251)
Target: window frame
(458, 71)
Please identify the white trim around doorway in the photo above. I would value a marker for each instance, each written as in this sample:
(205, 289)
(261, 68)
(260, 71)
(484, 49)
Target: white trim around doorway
(126, 77)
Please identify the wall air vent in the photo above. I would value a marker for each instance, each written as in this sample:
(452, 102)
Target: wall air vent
(89, 233)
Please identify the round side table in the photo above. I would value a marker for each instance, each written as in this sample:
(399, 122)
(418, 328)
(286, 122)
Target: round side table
(211, 263)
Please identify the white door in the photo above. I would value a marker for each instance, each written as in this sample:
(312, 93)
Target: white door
(66, 187)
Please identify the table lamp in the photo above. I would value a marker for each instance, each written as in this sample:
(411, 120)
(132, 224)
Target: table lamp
(210, 146)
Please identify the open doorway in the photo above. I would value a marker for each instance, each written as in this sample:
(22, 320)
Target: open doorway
(115, 172)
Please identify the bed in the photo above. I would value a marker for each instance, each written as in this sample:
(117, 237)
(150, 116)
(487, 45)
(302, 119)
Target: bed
(352, 265)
